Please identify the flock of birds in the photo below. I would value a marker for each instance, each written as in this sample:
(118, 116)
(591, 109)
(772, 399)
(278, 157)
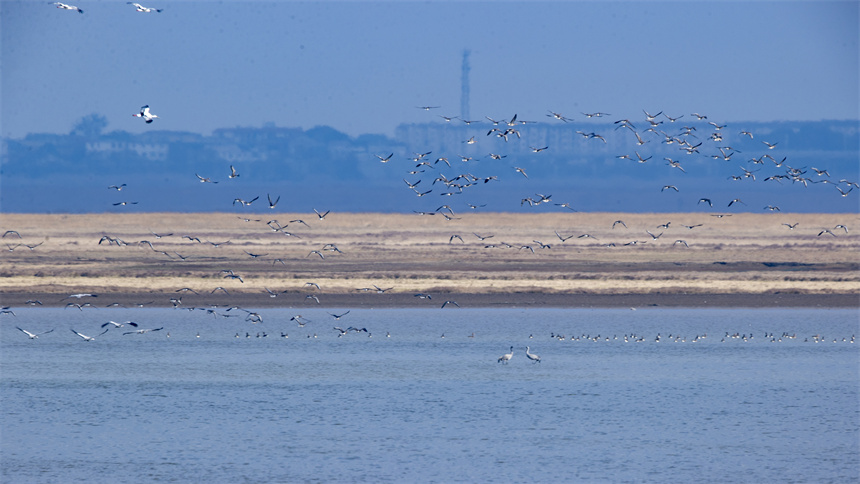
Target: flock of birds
(133, 328)
(428, 177)
(137, 6)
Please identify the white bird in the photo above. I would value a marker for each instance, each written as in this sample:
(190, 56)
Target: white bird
(88, 338)
(67, 7)
(532, 356)
(142, 331)
(78, 296)
(120, 325)
(145, 114)
(31, 335)
(506, 357)
(141, 8)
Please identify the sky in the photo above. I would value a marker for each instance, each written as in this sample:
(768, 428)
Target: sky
(366, 67)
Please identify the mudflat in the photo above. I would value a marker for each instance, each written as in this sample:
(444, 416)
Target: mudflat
(476, 259)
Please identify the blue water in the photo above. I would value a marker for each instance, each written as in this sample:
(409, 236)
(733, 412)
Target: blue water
(417, 407)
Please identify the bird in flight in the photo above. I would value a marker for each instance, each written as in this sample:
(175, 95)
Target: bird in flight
(244, 202)
(67, 7)
(119, 325)
(205, 179)
(233, 172)
(143, 331)
(145, 114)
(273, 203)
(321, 215)
(88, 338)
(32, 335)
(141, 8)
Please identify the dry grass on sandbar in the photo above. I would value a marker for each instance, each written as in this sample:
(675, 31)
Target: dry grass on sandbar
(741, 253)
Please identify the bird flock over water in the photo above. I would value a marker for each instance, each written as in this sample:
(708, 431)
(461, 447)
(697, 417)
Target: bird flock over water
(317, 329)
(448, 176)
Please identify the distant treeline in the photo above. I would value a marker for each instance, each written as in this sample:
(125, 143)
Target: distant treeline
(323, 153)
(593, 164)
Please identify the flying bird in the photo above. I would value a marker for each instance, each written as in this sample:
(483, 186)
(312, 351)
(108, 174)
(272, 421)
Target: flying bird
(145, 114)
(143, 331)
(141, 8)
(119, 325)
(88, 338)
(32, 335)
(67, 7)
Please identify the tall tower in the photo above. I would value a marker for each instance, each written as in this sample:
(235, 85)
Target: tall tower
(464, 86)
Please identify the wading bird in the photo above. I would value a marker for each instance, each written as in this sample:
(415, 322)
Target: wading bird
(505, 358)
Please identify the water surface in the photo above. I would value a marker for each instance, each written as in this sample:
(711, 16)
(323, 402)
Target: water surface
(725, 395)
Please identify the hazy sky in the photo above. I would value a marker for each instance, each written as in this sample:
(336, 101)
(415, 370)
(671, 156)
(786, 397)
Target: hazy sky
(363, 67)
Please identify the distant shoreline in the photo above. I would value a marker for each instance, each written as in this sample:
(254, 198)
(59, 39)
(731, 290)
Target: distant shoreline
(465, 300)
(478, 260)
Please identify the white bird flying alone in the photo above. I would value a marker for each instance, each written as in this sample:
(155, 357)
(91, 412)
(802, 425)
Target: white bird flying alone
(67, 7)
(141, 8)
(145, 114)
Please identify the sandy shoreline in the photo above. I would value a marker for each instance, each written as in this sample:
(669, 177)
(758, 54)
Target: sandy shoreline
(465, 300)
(478, 260)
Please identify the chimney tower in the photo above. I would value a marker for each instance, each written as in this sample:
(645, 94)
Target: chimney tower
(464, 86)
